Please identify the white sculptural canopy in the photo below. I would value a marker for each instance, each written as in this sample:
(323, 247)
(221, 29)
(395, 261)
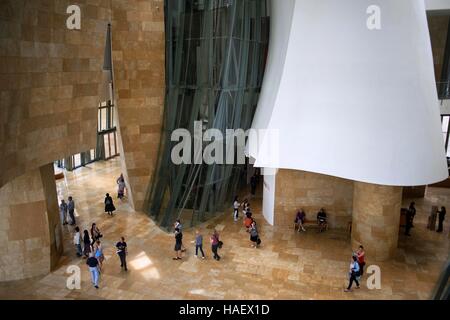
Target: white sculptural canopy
(351, 101)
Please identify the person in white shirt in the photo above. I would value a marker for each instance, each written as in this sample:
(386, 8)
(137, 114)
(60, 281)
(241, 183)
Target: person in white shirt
(236, 206)
(77, 241)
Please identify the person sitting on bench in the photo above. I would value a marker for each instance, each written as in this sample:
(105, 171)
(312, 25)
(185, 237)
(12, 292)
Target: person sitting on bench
(300, 220)
(322, 220)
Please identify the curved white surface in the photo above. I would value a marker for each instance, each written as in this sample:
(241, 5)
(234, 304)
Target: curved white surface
(348, 101)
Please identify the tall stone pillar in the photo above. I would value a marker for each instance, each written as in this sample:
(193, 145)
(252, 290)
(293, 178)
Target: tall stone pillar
(30, 228)
(376, 219)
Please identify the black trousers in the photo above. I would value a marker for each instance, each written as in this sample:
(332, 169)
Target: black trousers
(197, 247)
(72, 216)
(214, 250)
(440, 226)
(352, 278)
(123, 260)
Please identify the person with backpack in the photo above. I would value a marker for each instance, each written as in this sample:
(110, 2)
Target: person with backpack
(354, 274)
(215, 244)
(254, 236)
(109, 205)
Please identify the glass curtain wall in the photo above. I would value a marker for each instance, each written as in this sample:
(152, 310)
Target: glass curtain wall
(215, 57)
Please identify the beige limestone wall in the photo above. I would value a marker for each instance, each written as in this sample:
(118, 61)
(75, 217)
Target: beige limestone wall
(312, 191)
(376, 219)
(49, 81)
(27, 225)
(138, 57)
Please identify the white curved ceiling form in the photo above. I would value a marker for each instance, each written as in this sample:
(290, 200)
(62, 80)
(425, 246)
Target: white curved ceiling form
(348, 101)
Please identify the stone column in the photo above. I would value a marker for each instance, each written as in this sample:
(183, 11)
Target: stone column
(30, 228)
(376, 219)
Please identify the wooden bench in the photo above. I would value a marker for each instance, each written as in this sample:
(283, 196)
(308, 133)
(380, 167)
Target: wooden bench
(309, 223)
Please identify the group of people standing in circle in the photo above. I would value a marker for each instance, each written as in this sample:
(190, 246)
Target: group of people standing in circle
(216, 244)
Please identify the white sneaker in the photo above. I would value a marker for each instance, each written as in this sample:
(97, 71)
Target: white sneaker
(195, 255)
(203, 258)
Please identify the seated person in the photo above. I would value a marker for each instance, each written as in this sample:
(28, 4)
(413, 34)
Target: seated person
(322, 220)
(300, 220)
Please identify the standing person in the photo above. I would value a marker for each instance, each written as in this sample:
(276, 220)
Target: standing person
(87, 243)
(180, 228)
(63, 212)
(109, 205)
(409, 222)
(245, 207)
(300, 220)
(199, 244)
(253, 184)
(92, 263)
(322, 219)
(254, 236)
(98, 249)
(122, 253)
(361, 255)
(248, 222)
(412, 209)
(178, 243)
(441, 219)
(77, 241)
(95, 233)
(120, 187)
(71, 209)
(215, 244)
(354, 274)
(236, 206)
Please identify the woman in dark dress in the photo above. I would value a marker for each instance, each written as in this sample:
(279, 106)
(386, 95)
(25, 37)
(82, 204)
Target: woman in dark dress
(109, 205)
(87, 243)
(178, 243)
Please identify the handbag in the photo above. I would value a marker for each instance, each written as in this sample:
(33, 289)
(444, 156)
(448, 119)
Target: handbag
(220, 244)
(258, 242)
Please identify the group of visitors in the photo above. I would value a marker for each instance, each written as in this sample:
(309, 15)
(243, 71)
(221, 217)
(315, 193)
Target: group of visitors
(411, 213)
(92, 251)
(216, 244)
(248, 220)
(356, 268)
(300, 220)
(67, 211)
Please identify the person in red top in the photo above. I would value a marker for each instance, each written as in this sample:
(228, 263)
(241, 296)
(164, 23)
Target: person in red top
(360, 254)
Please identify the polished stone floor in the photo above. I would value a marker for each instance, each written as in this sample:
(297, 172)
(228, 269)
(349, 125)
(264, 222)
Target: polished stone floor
(288, 265)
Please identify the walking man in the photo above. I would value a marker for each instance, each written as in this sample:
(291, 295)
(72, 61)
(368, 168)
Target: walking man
(122, 252)
(92, 263)
(71, 209)
(199, 244)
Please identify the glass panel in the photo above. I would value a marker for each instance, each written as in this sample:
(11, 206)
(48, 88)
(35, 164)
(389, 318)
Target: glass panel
(107, 151)
(112, 143)
(215, 61)
(445, 120)
(92, 154)
(77, 160)
(103, 119)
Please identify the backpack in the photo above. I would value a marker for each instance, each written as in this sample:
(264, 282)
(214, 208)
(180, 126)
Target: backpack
(258, 242)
